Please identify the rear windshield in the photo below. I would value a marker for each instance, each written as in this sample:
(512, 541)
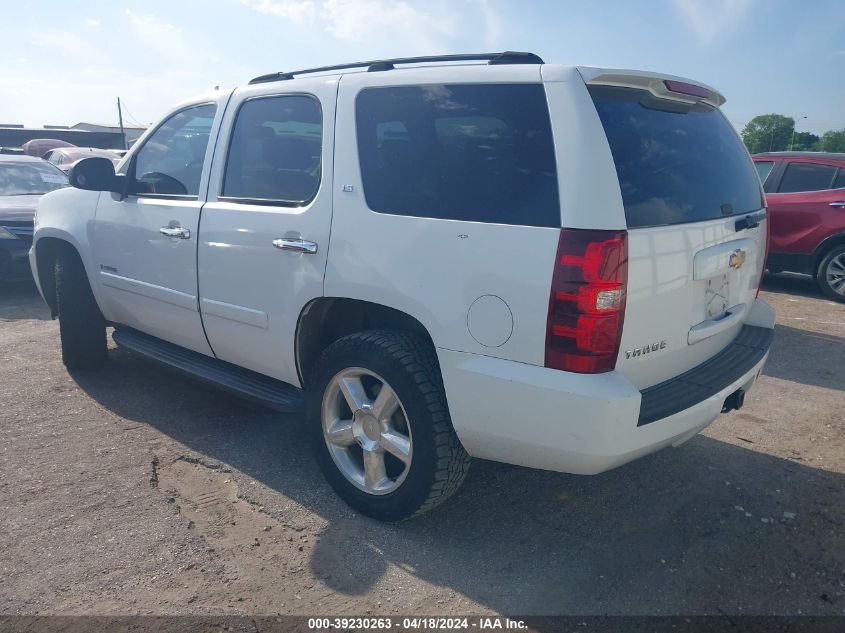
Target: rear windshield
(676, 163)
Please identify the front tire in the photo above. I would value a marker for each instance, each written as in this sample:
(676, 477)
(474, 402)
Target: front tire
(82, 328)
(381, 425)
(830, 275)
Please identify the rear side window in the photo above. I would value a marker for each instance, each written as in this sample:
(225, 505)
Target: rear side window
(275, 149)
(676, 163)
(474, 152)
(806, 177)
(764, 169)
(839, 182)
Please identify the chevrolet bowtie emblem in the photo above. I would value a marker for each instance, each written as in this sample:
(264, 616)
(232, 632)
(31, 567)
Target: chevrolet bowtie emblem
(737, 259)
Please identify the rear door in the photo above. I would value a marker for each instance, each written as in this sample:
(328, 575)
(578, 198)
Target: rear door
(265, 228)
(696, 225)
(807, 205)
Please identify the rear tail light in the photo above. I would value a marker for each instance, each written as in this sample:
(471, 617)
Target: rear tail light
(587, 301)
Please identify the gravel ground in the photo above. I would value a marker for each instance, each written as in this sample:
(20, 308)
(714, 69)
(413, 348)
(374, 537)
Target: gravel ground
(129, 489)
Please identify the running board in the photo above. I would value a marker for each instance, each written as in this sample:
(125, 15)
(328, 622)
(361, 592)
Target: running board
(259, 388)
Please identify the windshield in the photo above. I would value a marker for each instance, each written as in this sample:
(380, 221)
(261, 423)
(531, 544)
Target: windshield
(676, 163)
(29, 179)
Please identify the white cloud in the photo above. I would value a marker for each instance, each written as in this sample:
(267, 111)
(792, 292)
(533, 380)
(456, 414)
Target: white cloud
(159, 36)
(92, 22)
(363, 20)
(297, 11)
(493, 25)
(359, 20)
(65, 43)
(711, 19)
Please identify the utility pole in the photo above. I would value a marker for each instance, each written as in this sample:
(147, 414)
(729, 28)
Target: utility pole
(792, 142)
(120, 119)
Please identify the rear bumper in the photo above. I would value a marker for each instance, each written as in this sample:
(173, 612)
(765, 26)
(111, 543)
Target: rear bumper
(584, 424)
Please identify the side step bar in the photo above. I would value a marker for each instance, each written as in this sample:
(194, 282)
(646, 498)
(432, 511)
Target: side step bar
(261, 389)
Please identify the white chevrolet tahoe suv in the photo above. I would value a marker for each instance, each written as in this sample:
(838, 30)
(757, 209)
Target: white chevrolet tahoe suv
(433, 258)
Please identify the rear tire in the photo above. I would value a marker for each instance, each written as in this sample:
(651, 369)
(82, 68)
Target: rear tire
(82, 327)
(830, 274)
(433, 463)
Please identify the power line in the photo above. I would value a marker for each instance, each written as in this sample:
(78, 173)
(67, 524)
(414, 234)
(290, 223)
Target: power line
(130, 116)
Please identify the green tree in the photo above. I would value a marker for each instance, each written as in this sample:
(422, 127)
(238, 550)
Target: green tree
(805, 142)
(832, 141)
(768, 133)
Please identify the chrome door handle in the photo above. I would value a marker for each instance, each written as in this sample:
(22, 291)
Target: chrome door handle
(175, 231)
(296, 245)
(838, 203)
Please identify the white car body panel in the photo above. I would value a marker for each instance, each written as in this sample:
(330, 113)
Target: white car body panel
(409, 263)
(481, 290)
(254, 324)
(147, 280)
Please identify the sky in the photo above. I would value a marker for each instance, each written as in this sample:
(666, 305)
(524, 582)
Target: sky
(68, 61)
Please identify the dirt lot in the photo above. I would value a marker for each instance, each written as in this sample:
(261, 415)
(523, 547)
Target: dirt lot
(132, 490)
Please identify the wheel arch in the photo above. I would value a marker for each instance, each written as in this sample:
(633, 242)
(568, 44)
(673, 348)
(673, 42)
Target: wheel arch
(327, 319)
(47, 249)
(832, 241)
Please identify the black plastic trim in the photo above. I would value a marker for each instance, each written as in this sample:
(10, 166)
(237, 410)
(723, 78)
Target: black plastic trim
(247, 384)
(505, 57)
(709, 378)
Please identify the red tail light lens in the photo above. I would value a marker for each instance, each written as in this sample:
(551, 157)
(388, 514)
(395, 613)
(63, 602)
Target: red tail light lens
(684, 88)
(587, 301)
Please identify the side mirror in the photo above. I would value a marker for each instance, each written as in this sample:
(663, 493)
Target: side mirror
(94, 174)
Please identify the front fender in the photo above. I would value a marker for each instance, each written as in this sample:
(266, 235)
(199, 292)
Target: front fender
(66, 215)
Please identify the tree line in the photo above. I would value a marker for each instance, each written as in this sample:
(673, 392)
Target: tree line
(776, 133)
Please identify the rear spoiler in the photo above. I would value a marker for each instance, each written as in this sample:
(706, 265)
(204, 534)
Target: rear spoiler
(661, 86)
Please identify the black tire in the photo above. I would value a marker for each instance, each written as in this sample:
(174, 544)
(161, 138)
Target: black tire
(82, 327)
(835, 253)
(409, 364)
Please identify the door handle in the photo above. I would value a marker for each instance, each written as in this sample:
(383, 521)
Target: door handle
(296, 245)
(175, 231)
(838, 203)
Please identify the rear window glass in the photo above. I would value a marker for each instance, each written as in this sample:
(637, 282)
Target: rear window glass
(764, 169)
(474, 152)
(806, 177)
(675, 163)
(839, 182)
(275, 150)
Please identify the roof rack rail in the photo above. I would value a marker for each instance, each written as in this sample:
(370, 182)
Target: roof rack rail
(377, 65)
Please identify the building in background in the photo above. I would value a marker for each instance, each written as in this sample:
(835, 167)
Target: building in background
(82, 134)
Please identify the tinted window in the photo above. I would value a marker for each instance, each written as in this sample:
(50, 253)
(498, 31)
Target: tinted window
(839, 183)
(274, 153)
(170, 162)
(676, 163)
(764, 169)
(806, 177)
(29, 178)
(478, 152)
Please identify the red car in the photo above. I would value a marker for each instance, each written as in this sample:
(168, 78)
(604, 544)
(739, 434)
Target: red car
(805, 192)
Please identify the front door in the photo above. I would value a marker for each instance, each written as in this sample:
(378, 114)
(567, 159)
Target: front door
(265, 228)
(145, 245)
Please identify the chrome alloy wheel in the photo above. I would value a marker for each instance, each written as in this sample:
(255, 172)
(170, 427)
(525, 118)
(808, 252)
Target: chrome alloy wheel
(366, 430)
(835, 274)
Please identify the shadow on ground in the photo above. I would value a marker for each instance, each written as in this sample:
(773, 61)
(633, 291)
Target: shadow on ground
(809, 358)
(20, 300)
(689, 530)
(793, 284)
